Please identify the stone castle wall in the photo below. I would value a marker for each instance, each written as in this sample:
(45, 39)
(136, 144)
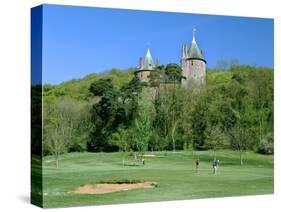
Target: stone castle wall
(143, 75)
(194, 71)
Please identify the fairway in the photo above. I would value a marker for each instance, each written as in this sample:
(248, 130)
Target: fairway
(174, 174)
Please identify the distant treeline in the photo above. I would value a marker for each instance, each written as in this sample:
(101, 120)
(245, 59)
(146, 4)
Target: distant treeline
(114, 111)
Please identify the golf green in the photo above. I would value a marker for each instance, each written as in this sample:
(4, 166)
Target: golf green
(174, 173)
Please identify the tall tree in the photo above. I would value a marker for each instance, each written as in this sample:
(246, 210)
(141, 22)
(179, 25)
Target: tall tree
(61, 121)
(174, 75)
(143, 122)
(116, 107)
(215, 139)
(241, 133)
(199, 122)
(121, 139)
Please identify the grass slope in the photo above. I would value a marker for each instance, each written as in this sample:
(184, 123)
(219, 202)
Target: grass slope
(174, 172)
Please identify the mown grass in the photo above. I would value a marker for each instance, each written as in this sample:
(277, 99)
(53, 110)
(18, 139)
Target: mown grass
(174, 174)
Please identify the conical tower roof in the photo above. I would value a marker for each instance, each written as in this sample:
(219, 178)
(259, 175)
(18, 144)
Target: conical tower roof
(148, 63)
(194, 52)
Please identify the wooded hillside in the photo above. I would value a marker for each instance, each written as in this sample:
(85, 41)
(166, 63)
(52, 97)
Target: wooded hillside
(113, 111)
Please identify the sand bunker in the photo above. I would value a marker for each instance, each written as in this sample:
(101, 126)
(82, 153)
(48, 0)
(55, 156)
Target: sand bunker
(149, 155)
(110, 187)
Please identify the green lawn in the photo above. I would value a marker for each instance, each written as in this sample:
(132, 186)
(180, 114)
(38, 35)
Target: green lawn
(174, 172)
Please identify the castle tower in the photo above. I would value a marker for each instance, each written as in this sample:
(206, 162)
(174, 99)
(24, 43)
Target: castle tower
(146, 65)
(193, 65)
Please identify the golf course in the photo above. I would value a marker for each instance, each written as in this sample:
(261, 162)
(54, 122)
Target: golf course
(140, 106)
(111, 139)
(174, 176)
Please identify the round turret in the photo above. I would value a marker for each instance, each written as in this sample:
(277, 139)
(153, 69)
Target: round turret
(145, 67)
(193, 65)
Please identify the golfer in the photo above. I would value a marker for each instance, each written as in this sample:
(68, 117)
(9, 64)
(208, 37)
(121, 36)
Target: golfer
(215, 163)
(197, 165)
(218, 163)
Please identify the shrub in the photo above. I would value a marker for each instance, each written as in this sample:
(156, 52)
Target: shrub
(266, 145)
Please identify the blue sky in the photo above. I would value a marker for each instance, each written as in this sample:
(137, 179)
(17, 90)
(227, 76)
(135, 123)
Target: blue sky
(78, 41)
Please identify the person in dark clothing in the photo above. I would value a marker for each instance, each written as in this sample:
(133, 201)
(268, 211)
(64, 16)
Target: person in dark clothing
(197, 165)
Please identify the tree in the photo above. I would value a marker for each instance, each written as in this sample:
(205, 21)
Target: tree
(175, 111)
(199, 123)
(101, 86)
(240, 133)
(103, 116)
(240, 140)
(60, 123)
(266, 146)
(116, 107)
(215, 139)
(168, 104)
(83, 125)
(261, 91)
(185, 125)
(36, 120)
(143, 122)
(156, 77)
(173, 73)
(234, 104)
(120, 138)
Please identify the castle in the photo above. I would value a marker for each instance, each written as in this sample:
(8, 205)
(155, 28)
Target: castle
(193, 65)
